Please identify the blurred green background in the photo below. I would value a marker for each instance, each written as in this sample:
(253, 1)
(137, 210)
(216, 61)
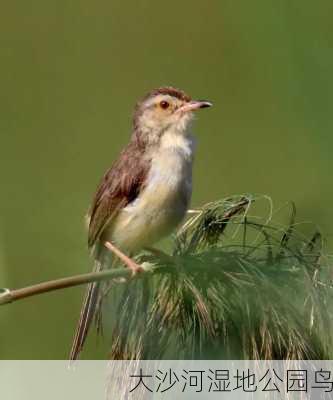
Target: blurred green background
(71, 72)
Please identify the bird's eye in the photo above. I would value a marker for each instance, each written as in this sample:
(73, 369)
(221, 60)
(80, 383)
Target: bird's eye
(164, 104)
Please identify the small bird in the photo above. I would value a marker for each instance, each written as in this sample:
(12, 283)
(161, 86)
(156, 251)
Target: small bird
(146, 193)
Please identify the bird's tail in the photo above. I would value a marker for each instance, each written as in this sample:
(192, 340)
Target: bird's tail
(88, 311)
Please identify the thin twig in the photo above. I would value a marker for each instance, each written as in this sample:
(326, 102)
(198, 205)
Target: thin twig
(9, 296)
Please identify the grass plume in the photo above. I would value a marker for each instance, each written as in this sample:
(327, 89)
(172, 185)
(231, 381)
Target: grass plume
(236, 287)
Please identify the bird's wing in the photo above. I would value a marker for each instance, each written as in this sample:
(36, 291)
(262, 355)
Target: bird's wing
(121, 185)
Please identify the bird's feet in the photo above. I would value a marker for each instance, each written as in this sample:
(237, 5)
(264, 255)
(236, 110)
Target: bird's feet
(131, 264)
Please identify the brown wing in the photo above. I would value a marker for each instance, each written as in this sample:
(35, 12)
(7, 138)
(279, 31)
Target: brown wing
(120, 186)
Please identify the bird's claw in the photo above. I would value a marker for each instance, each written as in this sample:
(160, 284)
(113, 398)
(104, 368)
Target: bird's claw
(136, 269)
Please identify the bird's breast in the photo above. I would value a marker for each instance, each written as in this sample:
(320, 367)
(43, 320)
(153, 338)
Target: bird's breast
(161, 205)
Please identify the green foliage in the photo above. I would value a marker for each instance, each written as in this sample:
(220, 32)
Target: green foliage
(236, 287)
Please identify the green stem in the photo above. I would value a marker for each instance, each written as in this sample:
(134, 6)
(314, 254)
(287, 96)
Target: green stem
(9, 296)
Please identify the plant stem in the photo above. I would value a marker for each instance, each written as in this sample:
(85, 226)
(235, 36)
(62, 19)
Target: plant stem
(9, 296)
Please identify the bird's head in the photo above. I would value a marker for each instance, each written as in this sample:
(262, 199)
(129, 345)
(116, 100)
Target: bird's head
(165, 109)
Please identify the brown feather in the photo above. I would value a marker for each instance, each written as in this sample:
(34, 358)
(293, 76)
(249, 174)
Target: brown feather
(86, 316)
(120, 185)
(171, 91)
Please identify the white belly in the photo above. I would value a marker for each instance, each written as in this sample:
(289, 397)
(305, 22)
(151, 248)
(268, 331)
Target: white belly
(160, 207)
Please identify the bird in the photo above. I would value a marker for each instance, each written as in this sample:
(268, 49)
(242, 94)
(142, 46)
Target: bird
(145, 194)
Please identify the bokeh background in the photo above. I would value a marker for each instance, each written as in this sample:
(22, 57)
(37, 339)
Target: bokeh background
(70, 74)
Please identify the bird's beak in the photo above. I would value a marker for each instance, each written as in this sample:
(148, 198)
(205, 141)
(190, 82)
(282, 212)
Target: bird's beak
(194, 105)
